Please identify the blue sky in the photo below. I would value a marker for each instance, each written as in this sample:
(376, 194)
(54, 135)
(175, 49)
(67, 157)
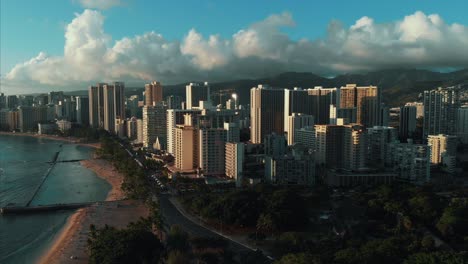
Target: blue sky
(29, 27)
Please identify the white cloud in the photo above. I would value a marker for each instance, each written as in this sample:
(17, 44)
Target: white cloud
(261, 49)
(100, 4)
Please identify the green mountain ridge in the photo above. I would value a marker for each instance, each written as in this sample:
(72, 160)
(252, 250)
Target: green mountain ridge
(398, 85)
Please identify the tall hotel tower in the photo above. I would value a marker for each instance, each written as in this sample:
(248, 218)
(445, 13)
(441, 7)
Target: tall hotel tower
(153, 93)
(106, 103)
(440, 106)
(365, 99)
(197, 92)
(96, 105)
(114, 105)
(266, 112)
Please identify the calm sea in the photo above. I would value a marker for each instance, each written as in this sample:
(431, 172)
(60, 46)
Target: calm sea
(23, 164)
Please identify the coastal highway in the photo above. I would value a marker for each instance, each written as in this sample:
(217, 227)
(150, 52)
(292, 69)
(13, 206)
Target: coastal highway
(173, 216)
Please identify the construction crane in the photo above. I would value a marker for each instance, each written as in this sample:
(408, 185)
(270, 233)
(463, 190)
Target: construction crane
(224, 92)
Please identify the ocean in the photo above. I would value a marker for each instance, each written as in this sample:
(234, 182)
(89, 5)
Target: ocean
(23, 163)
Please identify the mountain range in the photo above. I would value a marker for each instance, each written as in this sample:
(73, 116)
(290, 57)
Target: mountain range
(398, 85)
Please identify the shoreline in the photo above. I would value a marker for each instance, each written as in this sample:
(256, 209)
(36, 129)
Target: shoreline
(71, 140)
(66, 239)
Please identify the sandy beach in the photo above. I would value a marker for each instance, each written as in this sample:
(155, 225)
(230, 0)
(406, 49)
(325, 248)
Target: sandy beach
(71, 241)
(106, 171)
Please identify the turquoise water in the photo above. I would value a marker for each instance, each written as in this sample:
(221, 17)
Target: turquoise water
(24, 161)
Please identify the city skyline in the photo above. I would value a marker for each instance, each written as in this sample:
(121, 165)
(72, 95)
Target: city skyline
(89, 41)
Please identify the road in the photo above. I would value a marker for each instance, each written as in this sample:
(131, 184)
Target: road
(174, 217)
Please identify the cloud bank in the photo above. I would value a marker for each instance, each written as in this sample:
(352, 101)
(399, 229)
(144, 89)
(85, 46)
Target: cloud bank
(100, 4)
(259, 50)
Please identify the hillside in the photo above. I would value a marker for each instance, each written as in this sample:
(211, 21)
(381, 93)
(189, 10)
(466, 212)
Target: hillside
(398, 86)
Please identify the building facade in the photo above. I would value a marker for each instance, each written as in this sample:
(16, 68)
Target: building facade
(266, 112)
(440, 106)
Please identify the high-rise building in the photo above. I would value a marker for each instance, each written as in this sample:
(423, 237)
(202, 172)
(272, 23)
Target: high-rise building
(120, 127)
(384, 115)
(419, 108)
(140, 130)
(176, 117)
(323, 97)
(185, 146)
(232, 132)
(3, 103)
(82, 110)
(154, 125)
(410, 161)
(297, 167)
(153, 93)
(114, 104)
(407, 122)
(378, 139)
(341, 146)
(8, 120)
(440, 145)
(367, 101)
(132, 128)
(349, 114)
(133, 106)
(305, 137)
(174, 102)
(440, 106)
(29, 117)
(96, 105)
(55, 97)
(234, 154)
(315, 102)
(196, 92)
(275, 145)
(42, 99)
(12, 101)
(211, 150)
(25, 100)
(297, 121)
(68, 109)
(266, 112)
(462, 124)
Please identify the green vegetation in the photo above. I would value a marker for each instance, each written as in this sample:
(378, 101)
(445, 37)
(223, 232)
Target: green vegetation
(135, 244)
(135, 183)
(268, 210)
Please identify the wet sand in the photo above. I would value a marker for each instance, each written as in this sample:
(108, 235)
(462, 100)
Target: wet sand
(72, 239)
(106, 171)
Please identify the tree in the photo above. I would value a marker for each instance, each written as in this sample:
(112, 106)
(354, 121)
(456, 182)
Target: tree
(299, 258)
(427, 243)
(436, 258)
(265, 223)
(177, 257)
(177, 239)
(288, 209)
(454, 220)
(131, 245)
